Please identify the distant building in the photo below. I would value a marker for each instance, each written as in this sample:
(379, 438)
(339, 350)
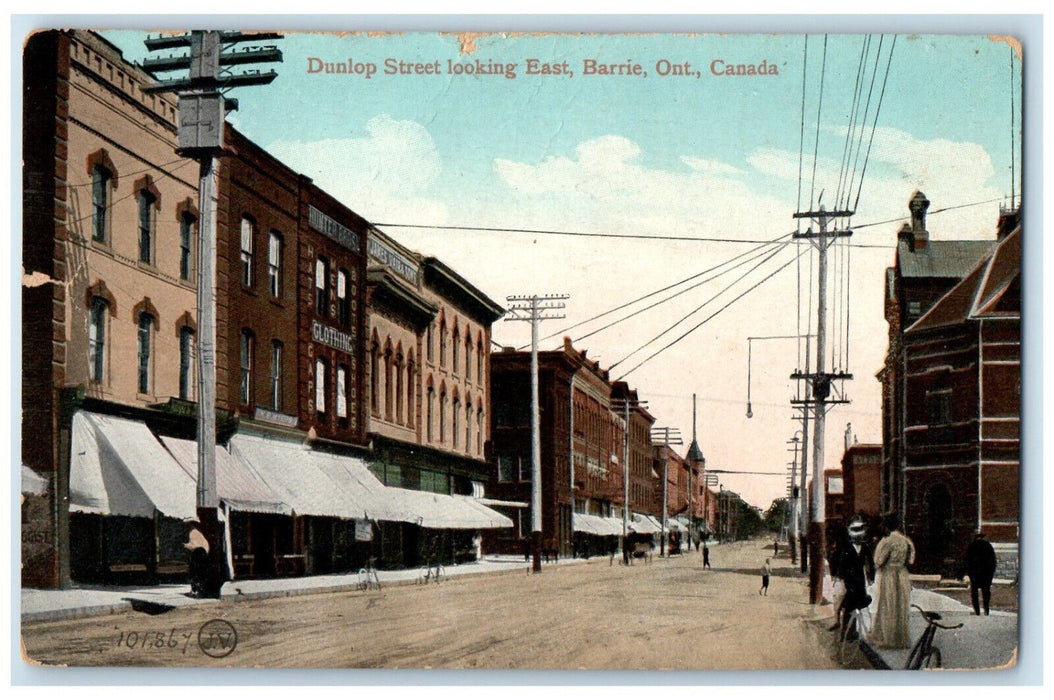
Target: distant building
(861, 479)
(834, 498)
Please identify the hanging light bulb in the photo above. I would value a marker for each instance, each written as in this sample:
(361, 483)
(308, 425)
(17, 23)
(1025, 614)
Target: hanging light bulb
(750, 412)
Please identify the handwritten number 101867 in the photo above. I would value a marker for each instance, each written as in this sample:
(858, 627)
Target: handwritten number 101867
(147, 640)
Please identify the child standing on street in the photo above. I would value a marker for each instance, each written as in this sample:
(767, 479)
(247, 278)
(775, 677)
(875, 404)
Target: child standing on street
(766, 571)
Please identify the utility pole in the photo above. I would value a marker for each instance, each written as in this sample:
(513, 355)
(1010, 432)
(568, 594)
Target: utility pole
(533, 309)
(820, 383)
(625, 404)
(670, 436)
(202, 110)
(792, 536)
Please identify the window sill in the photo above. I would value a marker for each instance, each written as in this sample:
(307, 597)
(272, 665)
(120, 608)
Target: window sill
(275, 301)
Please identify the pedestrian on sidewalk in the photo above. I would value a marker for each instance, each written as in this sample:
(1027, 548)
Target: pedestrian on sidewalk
(852, 562)
(980, 566)
(775, 548)
(706, 556)
(766, 571)
(198, 549)
(894, 553)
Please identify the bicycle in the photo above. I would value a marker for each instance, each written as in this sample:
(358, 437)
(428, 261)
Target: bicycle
(924, 654)
(432, 573)
(368, 578)
(854, 631)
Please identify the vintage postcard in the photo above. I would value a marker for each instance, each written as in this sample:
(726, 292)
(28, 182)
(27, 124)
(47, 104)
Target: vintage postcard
(601, 351)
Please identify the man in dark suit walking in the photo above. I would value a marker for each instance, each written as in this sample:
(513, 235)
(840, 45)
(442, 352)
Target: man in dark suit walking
(980, 565)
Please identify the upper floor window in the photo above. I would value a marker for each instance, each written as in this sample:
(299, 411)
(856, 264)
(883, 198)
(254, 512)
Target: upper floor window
(186, 362)
(274, 264)
(479, 431)
(457, 421)
(468, 358)
(186, 244)
(429, 345)
(454, 356)
(429, 410)
(321, 288)
(938, 407)
(100, 309)
(320, 389)
(248, 234)
(101, 179)
(146, 225)
(442, 344)
(479, 361)
(276, 374)
(374, 379)
(342, 391)
(245, 393)
(343, 298)
(145, 341)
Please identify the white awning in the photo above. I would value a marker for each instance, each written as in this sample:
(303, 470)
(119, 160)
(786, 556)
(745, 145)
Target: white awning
(644, 524)
(236, 485)
(313, 483)
(443, 512)
(596, 524)
(33, 484)
(505, 504)
(117, 467)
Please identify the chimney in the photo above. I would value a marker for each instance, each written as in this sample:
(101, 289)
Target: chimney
(1009, 219)
(918, 206)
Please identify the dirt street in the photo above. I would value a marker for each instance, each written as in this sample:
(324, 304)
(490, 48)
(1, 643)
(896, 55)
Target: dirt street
(669, 614)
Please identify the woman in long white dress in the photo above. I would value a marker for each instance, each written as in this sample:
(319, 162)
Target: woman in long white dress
(894, 553)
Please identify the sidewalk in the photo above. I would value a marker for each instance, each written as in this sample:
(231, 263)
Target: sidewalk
(981, 643)
(83, 601)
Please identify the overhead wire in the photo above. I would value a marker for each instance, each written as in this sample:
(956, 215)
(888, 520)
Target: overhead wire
(700, 307)
(707, 319)
(658, 291)
(878, 109)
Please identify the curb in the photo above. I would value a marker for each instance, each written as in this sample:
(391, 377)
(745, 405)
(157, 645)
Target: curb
(114, 608)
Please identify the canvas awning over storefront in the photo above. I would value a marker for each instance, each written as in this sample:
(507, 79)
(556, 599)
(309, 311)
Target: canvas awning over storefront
(117, 467)
(236, 485)
(644, 524)
(33, 484)
(312, 483)
(596, 525)
(444, 512)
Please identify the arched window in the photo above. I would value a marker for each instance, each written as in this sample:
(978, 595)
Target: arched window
(442, 343)
(186, 363)
(399, 387)
(322, 287)
(274, 264)
(100, 310)
(145, 323)
(429, 411)
(247, 351)
(468, 426)
(389, 366)
(430, 343)
(442, 418)
(374, 379)
(344, 297)
(101, 183)
(187, 223)
(147, 203)
(457, 419)
(479, 429)
(320, 389)
(454, 354)
(411, 382)
(248, 240)
(276, 374)
(342, 391)
(479, 360)
(468, 355)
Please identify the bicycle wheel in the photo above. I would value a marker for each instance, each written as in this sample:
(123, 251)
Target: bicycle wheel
(849, 641)
(932, 660)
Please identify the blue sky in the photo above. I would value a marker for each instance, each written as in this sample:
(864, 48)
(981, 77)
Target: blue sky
(706, 156)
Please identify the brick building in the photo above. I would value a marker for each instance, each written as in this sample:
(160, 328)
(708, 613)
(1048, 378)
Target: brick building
(861, 479)
(923, 271)
(582, 451)
(961, 440)
(109, 241)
